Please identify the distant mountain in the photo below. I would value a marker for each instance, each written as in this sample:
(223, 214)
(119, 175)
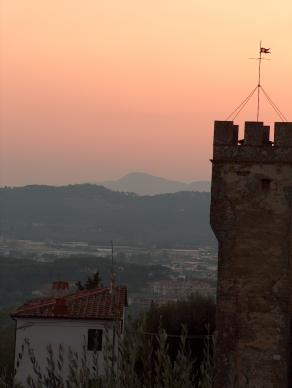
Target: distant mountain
(145, 184)
(95, 214)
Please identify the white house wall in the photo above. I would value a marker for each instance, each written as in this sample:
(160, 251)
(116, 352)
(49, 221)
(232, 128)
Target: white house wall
(43, 332)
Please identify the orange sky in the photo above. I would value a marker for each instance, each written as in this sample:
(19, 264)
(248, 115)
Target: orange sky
(94, 89)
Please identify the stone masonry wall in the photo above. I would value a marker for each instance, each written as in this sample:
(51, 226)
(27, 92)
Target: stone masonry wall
(251, 212)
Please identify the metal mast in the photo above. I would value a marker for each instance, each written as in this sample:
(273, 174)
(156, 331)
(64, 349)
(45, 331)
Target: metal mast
(259, 81)
(258, 88)
(112, 266)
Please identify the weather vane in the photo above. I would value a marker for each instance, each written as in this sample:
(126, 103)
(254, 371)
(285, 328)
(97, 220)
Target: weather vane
(263, 50)
(259, 89)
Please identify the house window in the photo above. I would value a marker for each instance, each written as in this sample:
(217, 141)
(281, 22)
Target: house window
(94, 339)
(266, 184)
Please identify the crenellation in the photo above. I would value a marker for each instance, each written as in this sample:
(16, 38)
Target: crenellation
(256, 134)
(225, 133)
(283, 135)
(256, 145)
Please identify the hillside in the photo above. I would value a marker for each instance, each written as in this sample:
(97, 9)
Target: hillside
(95, 214)
(20, 277)
(146, 184)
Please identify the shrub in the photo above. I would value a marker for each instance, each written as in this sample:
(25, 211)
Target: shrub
(134, 365)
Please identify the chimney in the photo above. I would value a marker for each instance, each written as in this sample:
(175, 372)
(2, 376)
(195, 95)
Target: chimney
(60, 289)
(60, 307)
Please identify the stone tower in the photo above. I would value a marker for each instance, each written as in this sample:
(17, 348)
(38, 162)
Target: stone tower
(251, 215)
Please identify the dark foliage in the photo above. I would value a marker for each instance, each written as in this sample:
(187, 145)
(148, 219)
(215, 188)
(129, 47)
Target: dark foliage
(95, 214)
(196, 314)
(93, 281)
(7, 339)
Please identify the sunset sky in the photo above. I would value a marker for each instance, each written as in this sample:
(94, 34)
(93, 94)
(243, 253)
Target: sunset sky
(94, 89)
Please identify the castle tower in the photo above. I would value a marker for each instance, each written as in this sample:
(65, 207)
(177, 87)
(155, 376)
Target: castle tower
(251, 216)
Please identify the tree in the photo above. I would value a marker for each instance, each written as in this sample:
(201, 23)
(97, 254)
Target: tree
(196, 314)
(91, 282)
(7, 340)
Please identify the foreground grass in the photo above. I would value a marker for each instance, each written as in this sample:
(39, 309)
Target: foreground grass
(135, 364)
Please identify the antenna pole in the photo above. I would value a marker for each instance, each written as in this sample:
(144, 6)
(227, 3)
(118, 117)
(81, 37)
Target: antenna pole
(112, 269)
(259, 82)
(114, 315)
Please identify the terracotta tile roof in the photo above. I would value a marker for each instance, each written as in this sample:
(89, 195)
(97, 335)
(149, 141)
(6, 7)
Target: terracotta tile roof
(89, 304)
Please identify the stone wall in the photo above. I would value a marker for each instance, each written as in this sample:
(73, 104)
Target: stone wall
(251, 212)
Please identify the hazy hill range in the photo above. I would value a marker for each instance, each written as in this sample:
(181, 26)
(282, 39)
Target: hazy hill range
(146, 184)
(95, 214)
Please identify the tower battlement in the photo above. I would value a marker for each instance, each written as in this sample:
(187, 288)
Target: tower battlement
(256, 146)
